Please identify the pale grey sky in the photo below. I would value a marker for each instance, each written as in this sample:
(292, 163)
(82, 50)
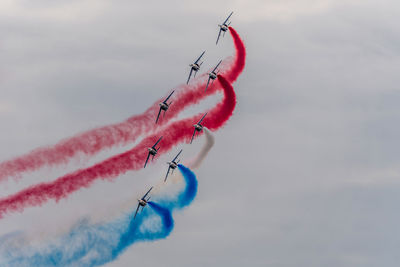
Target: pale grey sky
(304, 174)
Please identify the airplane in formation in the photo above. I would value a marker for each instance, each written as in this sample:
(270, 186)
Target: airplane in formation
(195, 67)
(198, 127)
(164, 106)
(172, 165)
(142, 202)
(152, 151)
(212, 75)
(223, 27)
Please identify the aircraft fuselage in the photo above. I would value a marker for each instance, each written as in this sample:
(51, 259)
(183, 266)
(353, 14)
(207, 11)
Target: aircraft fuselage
(224, 27)
(152, 151)
(195, 66)
(198, 127)
(142, 202)
(164, 106)
(213, 75)
(173, 164)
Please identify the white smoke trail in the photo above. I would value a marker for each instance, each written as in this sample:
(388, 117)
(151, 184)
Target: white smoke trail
(196, 161)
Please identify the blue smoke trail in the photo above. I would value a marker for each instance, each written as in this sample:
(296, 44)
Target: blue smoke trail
(94, 245)
(131, 236)
(185, 197)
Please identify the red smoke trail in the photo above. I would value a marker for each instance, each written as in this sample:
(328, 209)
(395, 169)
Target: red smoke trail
(133, 159)
(93, 141)
(240, 60)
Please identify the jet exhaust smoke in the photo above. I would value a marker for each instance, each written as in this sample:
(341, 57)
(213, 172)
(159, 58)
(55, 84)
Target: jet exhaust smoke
(193, 163)
(93, 141)
(94, 245)
(210, 140)
(186, 197)
(176, 133)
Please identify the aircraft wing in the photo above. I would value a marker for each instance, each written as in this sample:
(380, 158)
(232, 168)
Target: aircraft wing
(169, 96)
(168, 105)
(202, 118)
(228, 18)
(166, 176)
(190, 74)
(158, 116)
(177, 155)
(217, 66)
(219, 34)
(145, 195)
(154, 146)
(137, 209)
(207, 83)
(148, 155)
(199, 57)
(193, 135)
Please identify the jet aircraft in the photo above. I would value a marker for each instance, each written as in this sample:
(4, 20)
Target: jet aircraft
(223, 27)
(212, 75)
(142, 202)
(198, 127)
(152, 151)
(164, 106)
(195, 67)
(172, 165)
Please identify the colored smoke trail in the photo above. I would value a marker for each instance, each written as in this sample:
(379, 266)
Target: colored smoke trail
(93, 245)
(131, 235)
(233, 73)
(193, 163)
(210, 140)
(93, 141)
(133, 159)
(186, 197)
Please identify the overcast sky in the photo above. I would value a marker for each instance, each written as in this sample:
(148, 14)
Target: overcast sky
(305, 173)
